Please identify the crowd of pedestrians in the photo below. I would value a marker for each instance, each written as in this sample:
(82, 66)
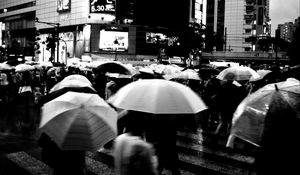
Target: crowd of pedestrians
(140, 148)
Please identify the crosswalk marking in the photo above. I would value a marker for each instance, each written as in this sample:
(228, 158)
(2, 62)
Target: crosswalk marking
(98, 167)
(212, 165)
(200, 148)
(29, 163)
(191, 152)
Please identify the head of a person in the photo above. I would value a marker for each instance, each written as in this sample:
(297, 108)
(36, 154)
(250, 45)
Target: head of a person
(140, 160)
(135, 157)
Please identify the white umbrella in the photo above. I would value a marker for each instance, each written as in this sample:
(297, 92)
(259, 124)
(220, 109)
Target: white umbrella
(187, 75)
(117, 75)
(237, 73)
(5, 66)
(43, 64)
(79, 121)
(146, 70)
(74, 80)
(166, 69)
(24, 67)
(158, 96)
(262, 73)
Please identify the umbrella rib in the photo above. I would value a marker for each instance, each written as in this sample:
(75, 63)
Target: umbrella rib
(290, 91)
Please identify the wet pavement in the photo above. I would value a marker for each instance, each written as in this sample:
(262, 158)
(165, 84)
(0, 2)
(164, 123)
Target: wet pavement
(20, 154)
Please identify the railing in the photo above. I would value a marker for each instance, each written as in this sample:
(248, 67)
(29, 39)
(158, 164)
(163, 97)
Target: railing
(246, 55)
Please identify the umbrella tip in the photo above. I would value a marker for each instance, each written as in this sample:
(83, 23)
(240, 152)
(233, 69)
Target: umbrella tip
(276, 87)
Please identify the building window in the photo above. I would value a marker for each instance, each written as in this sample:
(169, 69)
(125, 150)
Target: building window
(17, 7)
(247, 49)
(248, 22)
(247, 31)
(259, 2)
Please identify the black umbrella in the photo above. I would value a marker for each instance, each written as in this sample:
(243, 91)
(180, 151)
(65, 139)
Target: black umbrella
(113, 67)
(62, 91)
(293, 72)
(206, 72)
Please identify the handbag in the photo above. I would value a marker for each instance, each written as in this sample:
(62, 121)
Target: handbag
(23, 89)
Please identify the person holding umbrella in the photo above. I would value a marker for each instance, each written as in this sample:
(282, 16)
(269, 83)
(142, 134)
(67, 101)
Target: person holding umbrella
(61, 162)
(164, 141)
(269, 119)
(229, 96)
(163, 100)
(133, 156)
(74, 121)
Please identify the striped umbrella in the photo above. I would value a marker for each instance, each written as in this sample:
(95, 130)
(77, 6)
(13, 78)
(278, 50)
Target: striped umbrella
(79, 121)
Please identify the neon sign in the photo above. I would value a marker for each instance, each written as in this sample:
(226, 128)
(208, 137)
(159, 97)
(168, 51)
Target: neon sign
(103, 6)
(63, 5)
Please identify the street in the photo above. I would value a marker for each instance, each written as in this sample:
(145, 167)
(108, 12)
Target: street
(20, 154)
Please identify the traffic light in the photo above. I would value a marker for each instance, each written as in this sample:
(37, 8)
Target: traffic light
(50, 43)
(37, 47)
(37, 44)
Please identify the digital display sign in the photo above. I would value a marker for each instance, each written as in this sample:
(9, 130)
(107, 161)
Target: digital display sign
(155, 38)
(63, 5)
(113, 40)
(159, 38)
(103, 6)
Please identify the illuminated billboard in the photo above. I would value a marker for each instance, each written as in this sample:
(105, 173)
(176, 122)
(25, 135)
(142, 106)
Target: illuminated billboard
(103, 6)
(159, 38)
(113, 40)
(156, 38)
(63, 5)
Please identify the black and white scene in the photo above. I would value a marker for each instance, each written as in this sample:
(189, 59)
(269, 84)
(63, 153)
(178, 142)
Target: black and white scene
(139, 87)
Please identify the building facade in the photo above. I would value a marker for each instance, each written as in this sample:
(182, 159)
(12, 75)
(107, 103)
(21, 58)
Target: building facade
(114, 29)
(231, 22)
(17, 26)
(286, 31)
(215, 25)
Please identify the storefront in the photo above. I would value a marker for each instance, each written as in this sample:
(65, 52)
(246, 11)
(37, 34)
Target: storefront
(90, 28)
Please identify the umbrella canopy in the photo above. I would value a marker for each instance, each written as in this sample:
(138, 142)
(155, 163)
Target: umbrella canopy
(42, 65)
(72, 81)
(117, 75)
(262, 73)
(158, 96)
(237, 73)
(292, 72)
(146, 70)
(24, 67)
(249, 120)
(166, 69)
(79, 121)
(113, 67)
(5, 66)
(188, 74)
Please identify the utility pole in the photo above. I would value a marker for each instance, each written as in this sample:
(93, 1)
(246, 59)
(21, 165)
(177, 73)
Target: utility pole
(225, 39)
(57, 41)
(56, 25)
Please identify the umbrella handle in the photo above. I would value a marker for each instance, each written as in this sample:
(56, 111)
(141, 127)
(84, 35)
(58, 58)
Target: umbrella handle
(230, 141)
